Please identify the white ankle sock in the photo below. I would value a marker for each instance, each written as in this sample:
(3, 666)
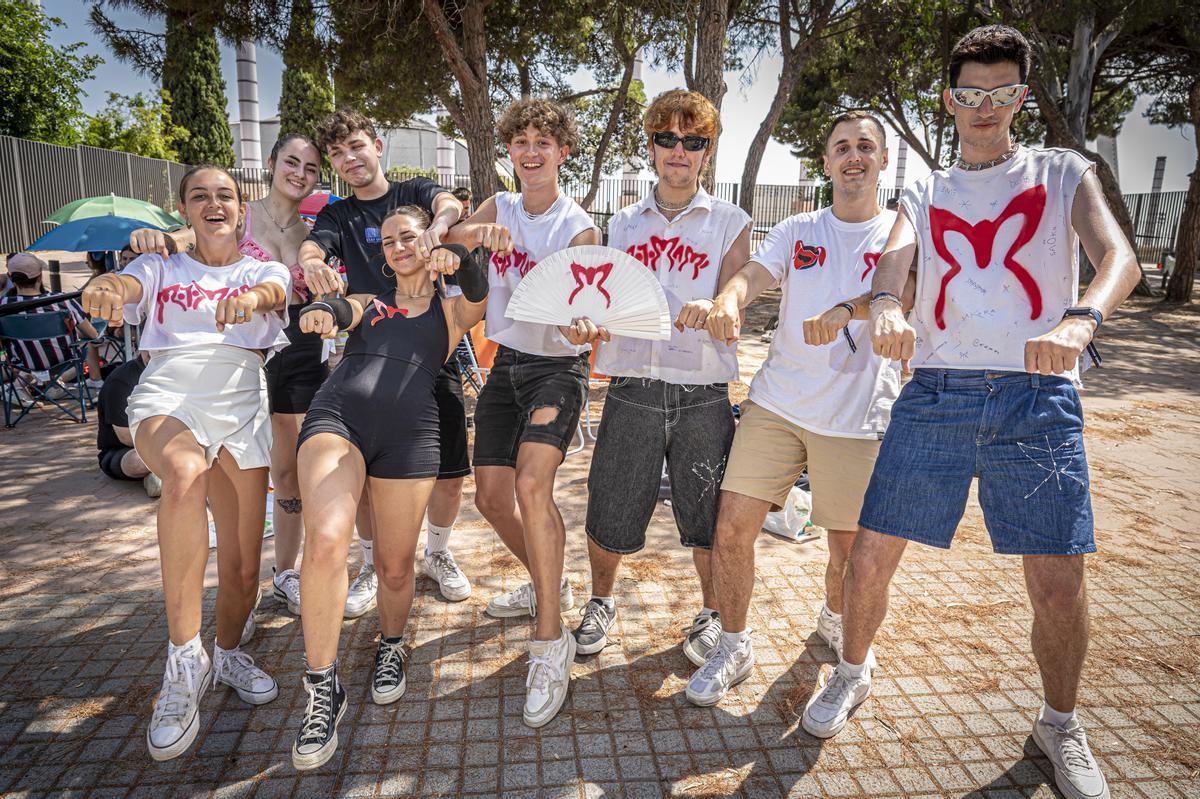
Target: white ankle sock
(606, 601)
(368, 551)
(438, 538)
(1052, 716)
(854, 672)
(707, 611)
(735, 642)
(825, 611)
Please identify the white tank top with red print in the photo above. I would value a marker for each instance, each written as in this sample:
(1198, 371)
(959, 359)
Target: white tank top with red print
(534, 238)
(685, 254)
(998, 260)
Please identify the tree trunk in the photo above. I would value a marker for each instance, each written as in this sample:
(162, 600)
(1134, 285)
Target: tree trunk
(1187, 245)
(468, 61)
(614, 118)
(709, 72)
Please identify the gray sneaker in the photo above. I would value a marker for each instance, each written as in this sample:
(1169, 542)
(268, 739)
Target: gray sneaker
(830, 707)
(702, 637)
(1075, 770)
(522, 601)
(361, 596)
(723, 670)
(592, 633)
(153, 485)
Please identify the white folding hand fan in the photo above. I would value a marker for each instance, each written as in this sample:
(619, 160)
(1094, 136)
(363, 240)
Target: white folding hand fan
(610, 287)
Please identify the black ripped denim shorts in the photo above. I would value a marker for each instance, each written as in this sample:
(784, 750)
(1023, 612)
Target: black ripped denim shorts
(517, 386)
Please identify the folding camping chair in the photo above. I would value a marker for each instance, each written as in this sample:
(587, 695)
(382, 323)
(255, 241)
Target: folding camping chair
(22, 388)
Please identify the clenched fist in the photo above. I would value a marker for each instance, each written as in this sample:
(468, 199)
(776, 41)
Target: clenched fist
(892, 337)
(236, 310)
(824, 329)
(318, 321)
(724, 321)
(104, 298)
(1057, 352)
(693, 315)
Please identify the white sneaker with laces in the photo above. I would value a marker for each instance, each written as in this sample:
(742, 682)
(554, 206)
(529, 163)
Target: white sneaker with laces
(285, 587)
(829, 708)
(702, 637)
(389, 679)
(523, 602)
(829, 628)
(1076, 772)
(724, 669)
(248, 627)
(235, 668)
(549, 677)
(363, 589)
(176, 717)
(443, 570)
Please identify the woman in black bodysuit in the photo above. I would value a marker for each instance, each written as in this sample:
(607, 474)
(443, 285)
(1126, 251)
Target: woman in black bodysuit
(375, 421)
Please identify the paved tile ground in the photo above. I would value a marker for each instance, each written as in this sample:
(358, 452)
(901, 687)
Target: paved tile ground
(82, 638)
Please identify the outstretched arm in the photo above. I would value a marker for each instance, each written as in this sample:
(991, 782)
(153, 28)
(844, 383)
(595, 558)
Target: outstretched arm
(327, 316)
(823, 328)
(891, 335)
(695, 313)
(480, 230)
(162, 242)
(265, 297)
(724, 321)
(105, 296)
(1117, 272)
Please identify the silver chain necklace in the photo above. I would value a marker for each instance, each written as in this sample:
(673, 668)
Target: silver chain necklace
(1000, 159)
(271, 216)
(671, 206)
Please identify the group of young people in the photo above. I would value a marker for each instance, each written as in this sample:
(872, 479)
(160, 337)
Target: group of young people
(381, 443)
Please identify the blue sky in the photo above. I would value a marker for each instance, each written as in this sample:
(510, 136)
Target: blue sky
(1138, 146)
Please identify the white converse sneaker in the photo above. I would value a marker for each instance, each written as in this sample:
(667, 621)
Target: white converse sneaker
(235, 668)
(248, 627)
(702, 637)
(363, 588)
(829, 628)
(285, 587)
(443, 570)
(724, 669)
(1075, 770)
(523, 602)
(549, 677)
(176, 717)
(829, 708)
(318, 740)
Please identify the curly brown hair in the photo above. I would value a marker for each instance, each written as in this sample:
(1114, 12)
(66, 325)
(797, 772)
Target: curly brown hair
(342, 124)
(691, 110)
(551, 118)
(991, 44)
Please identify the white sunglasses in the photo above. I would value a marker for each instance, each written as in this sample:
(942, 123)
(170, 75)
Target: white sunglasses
(969, 97)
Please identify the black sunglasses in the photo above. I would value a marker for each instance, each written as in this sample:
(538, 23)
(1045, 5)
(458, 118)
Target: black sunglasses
(667, 140)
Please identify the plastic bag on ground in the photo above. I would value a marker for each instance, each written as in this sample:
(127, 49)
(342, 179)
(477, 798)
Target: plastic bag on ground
(793, 522)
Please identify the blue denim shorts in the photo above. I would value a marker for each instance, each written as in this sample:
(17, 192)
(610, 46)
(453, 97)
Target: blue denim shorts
(1020, 434)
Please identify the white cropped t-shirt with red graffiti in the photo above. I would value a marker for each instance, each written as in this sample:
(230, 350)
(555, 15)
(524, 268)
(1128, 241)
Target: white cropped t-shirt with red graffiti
(180, 295)
(685, 254)
(534, 237)
(821, 261)
(997, 261)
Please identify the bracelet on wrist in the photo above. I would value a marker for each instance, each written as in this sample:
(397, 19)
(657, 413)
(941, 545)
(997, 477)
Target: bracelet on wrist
(848, 306)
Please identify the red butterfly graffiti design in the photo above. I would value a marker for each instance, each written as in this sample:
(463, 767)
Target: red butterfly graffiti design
(806, 256)
(582, 273)
(678, 255)
(383, 310)
(519, 259)
(871, 259)
(1029, 205)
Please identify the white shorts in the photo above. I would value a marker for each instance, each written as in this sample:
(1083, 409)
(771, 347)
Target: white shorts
(218, 391)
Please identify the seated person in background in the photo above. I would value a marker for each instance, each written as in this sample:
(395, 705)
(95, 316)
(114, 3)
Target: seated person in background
(118, 459)
(25, 271)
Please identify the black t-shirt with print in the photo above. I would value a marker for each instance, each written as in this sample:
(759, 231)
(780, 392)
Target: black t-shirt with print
(349, 230)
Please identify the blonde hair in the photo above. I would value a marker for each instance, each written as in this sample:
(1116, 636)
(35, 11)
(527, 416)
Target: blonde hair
(691, 110)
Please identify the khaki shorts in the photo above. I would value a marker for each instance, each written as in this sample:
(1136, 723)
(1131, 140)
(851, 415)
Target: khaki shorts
(769, 452)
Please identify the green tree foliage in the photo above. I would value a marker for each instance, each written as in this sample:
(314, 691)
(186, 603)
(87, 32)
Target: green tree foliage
(139, 124)
(191, 74)
(39, 84)
(307, 94)
(592, 117)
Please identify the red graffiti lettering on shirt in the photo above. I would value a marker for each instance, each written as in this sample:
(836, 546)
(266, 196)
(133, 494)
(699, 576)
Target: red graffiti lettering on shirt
(519, 259)
(383, 310)
(581, 273)
(806, 256)
(1030, 205)
(188, 296)
(679, 255)
(870, 259)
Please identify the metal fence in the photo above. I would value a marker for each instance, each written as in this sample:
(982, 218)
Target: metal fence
(40, 178)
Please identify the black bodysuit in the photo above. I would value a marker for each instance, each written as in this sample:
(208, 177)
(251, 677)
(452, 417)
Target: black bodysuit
(380, 398)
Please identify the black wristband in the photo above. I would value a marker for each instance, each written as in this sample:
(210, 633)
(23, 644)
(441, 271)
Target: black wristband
(848, 306)
(472, 270)
(343, 314)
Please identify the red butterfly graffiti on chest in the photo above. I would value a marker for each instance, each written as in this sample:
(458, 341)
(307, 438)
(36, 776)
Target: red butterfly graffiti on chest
(518, 259)
(678, 255)
(806, 256)
(1030, 205)
(188, 296)
(384, 311)
(870, 259)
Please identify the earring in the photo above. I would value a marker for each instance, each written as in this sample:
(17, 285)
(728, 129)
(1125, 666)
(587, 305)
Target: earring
(385, 269)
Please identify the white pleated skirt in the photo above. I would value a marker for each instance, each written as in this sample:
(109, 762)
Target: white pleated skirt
(218, 391)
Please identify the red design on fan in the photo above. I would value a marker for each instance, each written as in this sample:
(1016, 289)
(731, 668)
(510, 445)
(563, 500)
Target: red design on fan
(519, 258)
(806, 256)
(383, 310)
(589, 273)
(1029, 205)
(870, 259)
(189, 296)
(678, 255)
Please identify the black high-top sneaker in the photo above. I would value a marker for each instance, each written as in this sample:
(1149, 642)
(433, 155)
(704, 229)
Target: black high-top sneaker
(317, 740)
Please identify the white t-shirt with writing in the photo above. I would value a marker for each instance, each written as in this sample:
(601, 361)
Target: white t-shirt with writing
(821, 261)
(180, 296)
(685, 254)
(534, 237)
(997, 261)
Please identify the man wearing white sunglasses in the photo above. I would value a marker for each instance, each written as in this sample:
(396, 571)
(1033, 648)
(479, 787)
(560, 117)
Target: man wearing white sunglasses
(995, 337)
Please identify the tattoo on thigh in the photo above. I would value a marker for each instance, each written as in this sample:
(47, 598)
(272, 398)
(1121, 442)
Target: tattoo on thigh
(289, 504)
